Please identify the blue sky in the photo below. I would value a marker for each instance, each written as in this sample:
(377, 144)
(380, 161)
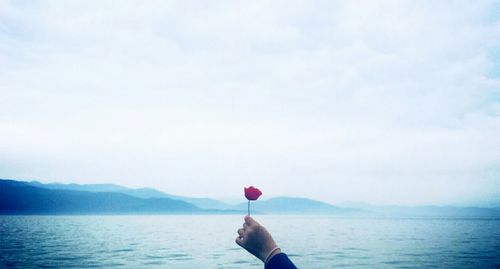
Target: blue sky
(383, 102)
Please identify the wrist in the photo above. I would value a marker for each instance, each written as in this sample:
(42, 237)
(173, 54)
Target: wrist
(265, 250)
(271, 253)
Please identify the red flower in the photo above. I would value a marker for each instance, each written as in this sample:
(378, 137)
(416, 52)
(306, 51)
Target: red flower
(252, 193)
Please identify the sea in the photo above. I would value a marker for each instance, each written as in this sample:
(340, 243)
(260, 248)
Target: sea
(207, 241)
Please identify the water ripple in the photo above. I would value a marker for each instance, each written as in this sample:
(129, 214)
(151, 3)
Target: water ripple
(180, 242)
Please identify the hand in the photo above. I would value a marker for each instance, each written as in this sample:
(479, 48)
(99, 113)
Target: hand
(256, 239)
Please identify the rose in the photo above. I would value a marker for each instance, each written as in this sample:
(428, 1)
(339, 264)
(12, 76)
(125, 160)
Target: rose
(252, 194)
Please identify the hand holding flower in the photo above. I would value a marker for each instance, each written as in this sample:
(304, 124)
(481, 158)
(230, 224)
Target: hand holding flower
(256, 239)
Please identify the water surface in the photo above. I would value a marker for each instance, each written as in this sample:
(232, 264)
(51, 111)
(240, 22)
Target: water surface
(207, 241)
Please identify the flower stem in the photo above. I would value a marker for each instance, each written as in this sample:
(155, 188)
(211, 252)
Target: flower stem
(248, 207)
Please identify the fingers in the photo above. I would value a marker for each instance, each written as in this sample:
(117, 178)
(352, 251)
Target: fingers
(247, 229)
(250, 221)
(241, 231)
(241, 234)
(239, 241)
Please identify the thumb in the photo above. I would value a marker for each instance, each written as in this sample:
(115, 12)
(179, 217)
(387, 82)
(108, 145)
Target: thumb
(250, 221)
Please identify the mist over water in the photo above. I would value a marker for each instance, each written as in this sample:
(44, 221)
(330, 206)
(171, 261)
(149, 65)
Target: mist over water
(207, 241)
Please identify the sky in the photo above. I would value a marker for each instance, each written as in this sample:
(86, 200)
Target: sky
(385, 102)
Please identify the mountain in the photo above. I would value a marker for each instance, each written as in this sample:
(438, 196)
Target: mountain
(203, 203)
(20, 198)
(140, 193)
(293, 205)
(432, 211)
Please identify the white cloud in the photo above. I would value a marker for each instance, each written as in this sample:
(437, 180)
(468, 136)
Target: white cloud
(389, 102)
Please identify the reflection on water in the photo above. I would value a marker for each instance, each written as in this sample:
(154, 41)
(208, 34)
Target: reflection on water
(207, 241)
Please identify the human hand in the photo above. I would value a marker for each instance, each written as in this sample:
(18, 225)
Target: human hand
(256, 239)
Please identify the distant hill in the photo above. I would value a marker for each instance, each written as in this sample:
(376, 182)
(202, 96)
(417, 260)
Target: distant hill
(21, 198)
(432, 211)
(203, 203)
(144, 193)
(293, 205)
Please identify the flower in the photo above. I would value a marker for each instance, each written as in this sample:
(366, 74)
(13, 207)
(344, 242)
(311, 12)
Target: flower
(252, 193)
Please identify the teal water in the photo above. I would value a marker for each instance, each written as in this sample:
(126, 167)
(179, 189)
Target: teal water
(207, 241)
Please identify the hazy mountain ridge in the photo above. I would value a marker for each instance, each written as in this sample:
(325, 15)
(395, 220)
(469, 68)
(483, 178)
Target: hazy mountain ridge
(295, 205)
(433, 211)
(19, 197)
(145, 193)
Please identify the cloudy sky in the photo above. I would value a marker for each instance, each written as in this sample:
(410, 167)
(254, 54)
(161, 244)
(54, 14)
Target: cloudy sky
(391, 102)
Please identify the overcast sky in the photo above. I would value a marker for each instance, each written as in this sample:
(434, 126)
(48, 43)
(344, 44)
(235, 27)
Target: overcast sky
(392, 102)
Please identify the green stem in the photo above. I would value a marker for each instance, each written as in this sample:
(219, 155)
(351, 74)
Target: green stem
(248, 207)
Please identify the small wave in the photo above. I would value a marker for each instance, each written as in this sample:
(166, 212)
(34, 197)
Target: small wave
(122, 250)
